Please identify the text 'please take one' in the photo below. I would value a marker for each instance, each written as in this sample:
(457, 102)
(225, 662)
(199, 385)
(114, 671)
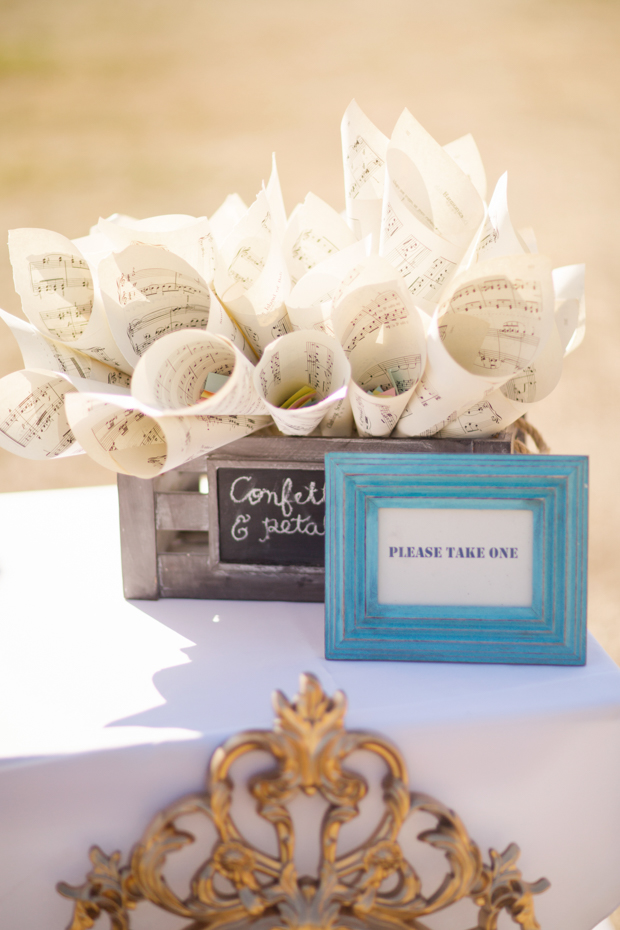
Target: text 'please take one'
(453, 552)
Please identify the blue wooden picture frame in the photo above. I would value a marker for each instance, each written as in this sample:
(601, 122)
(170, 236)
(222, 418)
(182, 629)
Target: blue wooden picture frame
(550, 630)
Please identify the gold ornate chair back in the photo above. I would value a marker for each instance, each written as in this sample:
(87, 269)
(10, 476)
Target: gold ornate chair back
(372, 886)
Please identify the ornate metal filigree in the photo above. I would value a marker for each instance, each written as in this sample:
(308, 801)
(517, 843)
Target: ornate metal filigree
(372, 886)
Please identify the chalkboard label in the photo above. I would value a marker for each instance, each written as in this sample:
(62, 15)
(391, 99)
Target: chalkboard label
(269, 516)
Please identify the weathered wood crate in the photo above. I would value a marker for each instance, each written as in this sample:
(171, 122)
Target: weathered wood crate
(252, 535)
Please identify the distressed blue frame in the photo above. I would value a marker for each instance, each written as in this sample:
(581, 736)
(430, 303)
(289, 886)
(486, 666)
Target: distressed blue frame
(550, 632)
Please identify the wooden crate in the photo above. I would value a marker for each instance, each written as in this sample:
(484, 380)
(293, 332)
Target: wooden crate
(170, 531)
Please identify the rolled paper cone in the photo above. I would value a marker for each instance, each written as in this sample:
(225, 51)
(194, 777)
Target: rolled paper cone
(310, 302)
(364, 149)
(33, 422)
(338, 421)
(465, 153)
(304, 357)
(253, 281)
(486, 418)
(170, 377)
(498, 236)
(494, 323)
(374, 415)
(221, 324)
(377, 415)
(117, 434)
(431, 212)
(512, 400)
(245, 249)
(315, 231)
(383, 337)
(226, 217)
(60, 295)
(540, 378)
(258, 330)
(186, 236)
(273, 193)
(370, 271)
(40, 352)
(401, 350)
(570, 305)
(148, 293)
(33, 419)
(445, 388)
(498, 316)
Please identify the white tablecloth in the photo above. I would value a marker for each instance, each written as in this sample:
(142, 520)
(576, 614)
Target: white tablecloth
(111, 710)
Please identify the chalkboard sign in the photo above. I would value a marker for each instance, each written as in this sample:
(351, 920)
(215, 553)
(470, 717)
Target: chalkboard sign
(271, 516)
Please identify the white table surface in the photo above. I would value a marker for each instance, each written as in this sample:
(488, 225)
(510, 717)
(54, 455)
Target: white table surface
(111, 710)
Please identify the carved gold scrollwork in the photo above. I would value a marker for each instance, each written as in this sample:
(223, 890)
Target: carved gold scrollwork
(372, 886)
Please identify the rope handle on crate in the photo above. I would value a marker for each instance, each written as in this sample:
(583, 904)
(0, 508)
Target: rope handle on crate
(522, 426)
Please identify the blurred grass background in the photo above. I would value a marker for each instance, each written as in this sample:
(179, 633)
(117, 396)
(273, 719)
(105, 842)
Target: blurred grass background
(148, 106)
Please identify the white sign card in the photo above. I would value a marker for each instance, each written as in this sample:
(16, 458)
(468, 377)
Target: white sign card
(455, 555)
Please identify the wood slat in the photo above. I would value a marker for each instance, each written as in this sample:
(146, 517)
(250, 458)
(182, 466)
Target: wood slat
(188, 575)
(138, 540)
(182, 510)
(313, 448)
